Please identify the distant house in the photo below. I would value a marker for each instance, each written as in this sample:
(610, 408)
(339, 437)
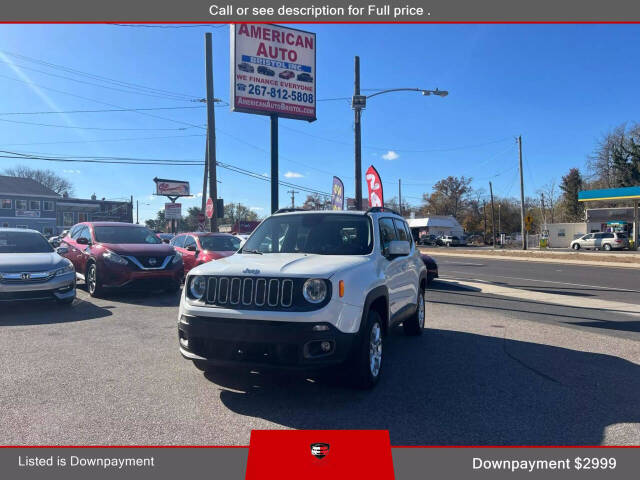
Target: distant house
(25, 203)
(435, 225)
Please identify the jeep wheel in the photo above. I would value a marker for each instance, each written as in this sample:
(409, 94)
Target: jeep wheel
(415, 324)
(93, 283)
(368, 362)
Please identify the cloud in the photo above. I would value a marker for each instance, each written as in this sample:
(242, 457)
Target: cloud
(256, 209)
(291, 174)
(70, 171)
(391, 155)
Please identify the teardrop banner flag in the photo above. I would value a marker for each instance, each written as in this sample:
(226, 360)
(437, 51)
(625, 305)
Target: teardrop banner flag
(374, 184)
(337, 194)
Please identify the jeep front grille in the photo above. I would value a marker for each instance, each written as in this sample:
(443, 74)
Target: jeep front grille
(248, 292)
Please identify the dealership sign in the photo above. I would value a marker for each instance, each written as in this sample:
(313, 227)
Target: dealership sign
(172, 211)
(171, 188)
(273, 71)
(28, 213)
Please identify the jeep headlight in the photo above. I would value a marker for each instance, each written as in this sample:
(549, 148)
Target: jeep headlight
(68, 268)
(114, 257)
(314, 290)
(197, 287)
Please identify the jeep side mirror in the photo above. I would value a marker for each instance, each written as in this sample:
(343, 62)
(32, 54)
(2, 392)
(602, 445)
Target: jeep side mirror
(192, 248)
(83, 241)
(398, 248)
(62, 250)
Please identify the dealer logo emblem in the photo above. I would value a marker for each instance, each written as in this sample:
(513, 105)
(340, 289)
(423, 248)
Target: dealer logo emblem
(319, 450)
(152, 262)
(25, 276)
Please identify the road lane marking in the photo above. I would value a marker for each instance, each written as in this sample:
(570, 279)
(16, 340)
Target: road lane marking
(567, 301)
(556, 282)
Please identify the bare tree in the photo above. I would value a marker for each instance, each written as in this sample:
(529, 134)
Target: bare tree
(549, 195)
(47, 178)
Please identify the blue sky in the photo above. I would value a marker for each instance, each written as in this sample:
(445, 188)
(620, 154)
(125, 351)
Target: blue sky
(559, 86)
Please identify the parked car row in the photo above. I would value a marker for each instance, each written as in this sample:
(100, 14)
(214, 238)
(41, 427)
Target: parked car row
(105, 256)
(442, 240)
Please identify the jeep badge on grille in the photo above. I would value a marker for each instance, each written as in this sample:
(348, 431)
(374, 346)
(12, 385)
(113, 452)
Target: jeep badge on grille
(253, 271)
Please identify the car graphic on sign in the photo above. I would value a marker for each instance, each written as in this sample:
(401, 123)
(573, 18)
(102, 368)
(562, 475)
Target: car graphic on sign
(287, 74)
(245, 67)
(242, 87)
(304, 77)
(262, 70)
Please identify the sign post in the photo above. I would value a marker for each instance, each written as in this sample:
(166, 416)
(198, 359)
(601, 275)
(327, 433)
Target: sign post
(172, 189)
(273, 72)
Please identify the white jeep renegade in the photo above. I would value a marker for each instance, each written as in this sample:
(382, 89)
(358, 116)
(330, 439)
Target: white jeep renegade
(308, 290)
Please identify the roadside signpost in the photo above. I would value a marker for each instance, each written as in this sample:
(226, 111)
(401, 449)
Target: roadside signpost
(172, 189)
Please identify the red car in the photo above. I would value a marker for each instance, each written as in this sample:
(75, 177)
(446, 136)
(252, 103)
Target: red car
(201, 247)
(287, 74)
(113, 254)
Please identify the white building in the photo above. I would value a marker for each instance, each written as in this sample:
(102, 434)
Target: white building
(435, 225)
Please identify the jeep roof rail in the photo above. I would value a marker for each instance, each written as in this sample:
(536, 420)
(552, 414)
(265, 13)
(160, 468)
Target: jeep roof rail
(382, 209)
(287, 210)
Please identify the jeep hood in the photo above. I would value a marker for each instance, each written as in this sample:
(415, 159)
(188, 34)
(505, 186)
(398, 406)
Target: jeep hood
(280, 264)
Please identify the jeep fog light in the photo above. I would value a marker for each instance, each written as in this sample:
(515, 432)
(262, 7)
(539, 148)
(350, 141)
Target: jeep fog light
(314, 290)
(198, 287)
(325, 346)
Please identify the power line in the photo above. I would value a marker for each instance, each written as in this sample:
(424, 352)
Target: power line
(166, 26)
(116, 89)
(106, 110)
(98, 77)
(142, 161)
(89, 128)
(104, 140)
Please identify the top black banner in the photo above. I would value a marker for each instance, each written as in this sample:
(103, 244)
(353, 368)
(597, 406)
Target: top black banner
(296, 11)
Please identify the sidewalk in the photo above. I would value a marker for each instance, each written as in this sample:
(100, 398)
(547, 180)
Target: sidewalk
(626, 260)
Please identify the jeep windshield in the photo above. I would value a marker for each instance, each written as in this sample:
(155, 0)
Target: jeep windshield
(317, 233)
(118, 234)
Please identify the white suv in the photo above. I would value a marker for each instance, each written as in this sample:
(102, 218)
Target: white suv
(308, 289)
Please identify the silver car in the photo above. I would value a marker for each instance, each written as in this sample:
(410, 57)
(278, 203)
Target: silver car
(602, 240)
(30, 268)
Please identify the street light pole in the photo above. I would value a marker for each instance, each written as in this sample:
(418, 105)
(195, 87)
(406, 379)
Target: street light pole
(358, 103)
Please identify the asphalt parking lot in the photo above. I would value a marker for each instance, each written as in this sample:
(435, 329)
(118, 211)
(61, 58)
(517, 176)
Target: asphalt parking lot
(488, 371)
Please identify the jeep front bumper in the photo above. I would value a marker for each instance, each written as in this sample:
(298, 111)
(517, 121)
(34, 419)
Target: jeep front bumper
(260, 344)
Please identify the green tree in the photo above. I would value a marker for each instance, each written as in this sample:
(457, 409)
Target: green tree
(237, 212)
(450, 196)
(572, 184)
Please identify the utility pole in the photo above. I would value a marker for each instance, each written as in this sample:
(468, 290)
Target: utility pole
(493, 219)
(358, 136)
(544, 215)
(211, 130)
(484, 212)
(205, 182)
(524, 237)
(500, 220)
(400, 195)
(293, 197)
(274, 163)
(137, 211)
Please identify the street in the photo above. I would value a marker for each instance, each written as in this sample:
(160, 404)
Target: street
(489, 370)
